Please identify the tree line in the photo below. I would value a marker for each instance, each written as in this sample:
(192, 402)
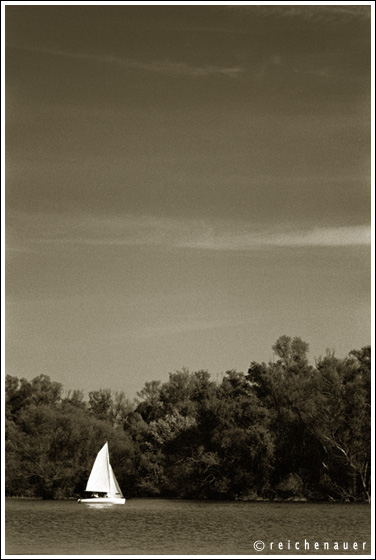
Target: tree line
(283, 430)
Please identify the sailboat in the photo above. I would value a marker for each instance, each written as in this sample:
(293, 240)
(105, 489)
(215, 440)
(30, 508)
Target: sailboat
(102, 483)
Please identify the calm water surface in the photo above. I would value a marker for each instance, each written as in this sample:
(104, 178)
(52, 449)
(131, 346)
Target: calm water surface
(148, 526)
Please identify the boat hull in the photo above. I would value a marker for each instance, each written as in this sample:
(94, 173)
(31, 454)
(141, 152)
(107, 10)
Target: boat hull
(119, 501)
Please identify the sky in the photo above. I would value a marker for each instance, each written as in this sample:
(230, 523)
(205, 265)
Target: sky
(184, 184)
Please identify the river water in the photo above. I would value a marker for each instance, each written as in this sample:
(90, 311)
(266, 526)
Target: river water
(180, 527)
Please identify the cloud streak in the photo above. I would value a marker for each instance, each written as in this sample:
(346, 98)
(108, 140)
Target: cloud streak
(318, 237)
(134, 230)
(166, 67)
(323, 14)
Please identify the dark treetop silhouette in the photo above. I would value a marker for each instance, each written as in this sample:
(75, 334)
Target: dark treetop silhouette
(284, 430)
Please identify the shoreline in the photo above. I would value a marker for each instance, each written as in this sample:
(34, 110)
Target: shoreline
(254, 501)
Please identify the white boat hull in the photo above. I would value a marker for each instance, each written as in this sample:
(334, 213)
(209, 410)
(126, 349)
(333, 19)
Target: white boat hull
(102, 501)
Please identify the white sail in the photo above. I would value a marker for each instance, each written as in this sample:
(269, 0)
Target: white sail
(114, 485)
(99, 479)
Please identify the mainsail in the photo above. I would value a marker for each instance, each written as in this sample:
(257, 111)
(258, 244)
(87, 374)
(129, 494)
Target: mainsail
(102, 478)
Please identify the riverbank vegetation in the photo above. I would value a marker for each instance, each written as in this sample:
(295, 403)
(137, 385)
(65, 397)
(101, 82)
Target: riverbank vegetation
(283, 430)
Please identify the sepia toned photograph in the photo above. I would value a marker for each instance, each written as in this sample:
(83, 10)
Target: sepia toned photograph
(188, 279)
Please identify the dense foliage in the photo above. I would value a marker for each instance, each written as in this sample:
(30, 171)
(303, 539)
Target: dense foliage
(284, 430)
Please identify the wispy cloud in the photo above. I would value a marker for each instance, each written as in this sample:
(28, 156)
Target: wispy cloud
(318, 237)
(166, 67)
(316, 13)
(323, 13)
(196, 234)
